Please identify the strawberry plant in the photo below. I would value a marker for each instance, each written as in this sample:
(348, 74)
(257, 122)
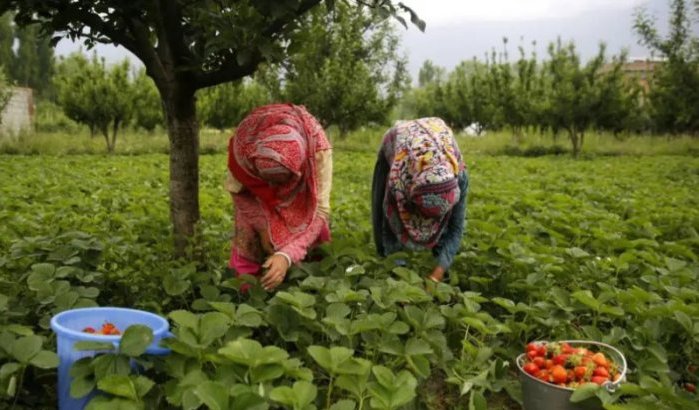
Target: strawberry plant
(599, 249)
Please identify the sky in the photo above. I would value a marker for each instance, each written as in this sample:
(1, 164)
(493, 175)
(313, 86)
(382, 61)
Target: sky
(459, 30)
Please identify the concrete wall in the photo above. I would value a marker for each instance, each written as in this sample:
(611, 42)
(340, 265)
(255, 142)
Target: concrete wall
(18, 115)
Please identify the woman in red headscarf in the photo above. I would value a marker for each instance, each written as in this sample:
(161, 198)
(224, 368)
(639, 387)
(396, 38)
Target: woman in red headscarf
(279, 175)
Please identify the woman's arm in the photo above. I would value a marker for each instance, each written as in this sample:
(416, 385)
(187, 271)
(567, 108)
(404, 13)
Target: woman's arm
(450, 241)
(297, 249)
(324, 165)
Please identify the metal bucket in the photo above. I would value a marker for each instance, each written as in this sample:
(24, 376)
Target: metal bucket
(540, 395)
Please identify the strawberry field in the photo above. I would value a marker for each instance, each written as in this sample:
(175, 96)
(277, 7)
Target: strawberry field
(603, 249)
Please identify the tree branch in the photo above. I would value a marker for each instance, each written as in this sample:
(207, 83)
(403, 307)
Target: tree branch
(95, 22)
(230, 70)
(169, 21)
(147, 53)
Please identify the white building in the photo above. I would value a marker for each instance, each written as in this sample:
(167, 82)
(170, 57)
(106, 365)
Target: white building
(18, 115)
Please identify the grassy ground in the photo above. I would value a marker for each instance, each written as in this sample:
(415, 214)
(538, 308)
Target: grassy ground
(368, 139)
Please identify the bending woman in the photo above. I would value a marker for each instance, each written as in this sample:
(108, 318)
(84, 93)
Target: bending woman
(280, 174)
(419, 192)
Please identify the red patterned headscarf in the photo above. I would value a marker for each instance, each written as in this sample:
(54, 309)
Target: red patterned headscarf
(275, 143)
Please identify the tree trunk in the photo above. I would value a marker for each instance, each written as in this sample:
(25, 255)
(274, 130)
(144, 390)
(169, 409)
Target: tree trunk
(575, 141)
(105, 132)
(183, 133)
(115, 128)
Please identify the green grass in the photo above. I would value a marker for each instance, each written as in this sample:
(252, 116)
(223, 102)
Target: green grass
(603, 248)
(366, 139)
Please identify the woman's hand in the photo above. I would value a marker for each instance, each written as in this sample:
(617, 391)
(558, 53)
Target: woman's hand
(276, 266)
(437, 274)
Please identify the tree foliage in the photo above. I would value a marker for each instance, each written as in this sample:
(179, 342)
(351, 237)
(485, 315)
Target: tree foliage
(147, 106)
(27, 56)
(349, 72)
(225, 105)
(95, 95)
(187, 45)
(674, 94)
(557, 94)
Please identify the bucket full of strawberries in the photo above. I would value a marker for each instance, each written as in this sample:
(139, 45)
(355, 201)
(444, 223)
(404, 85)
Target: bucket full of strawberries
(551, 371)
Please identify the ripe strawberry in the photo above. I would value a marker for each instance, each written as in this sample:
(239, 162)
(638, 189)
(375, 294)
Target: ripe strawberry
(559, 374)
(530, 368)
(540, 362)
(600, 360)
(601, 371)
(560, 359)
(599, 380)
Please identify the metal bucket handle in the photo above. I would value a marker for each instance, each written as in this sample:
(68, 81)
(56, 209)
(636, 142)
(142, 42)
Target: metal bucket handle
(610, 386)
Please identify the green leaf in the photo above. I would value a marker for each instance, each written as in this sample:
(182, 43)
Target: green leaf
(466, 387)
(226, 308)
(250, 353)
(175, 286)
(305, 393)
(266, 372)
(684, 320)
(585, 297)
(577, 252)
(283, 395)
(383, 375)
(185, 319)
(248, 316)
(9, 368)
(81, 387)
(584, 392)
(136, 340)
(118, 385)
(344, 404)
(111, 364)
(143, 385)
(296, 299)
(25, 348)
(477, 401)
(242, 351)
(416, 346)
(212, 326)
(213, 394)
(300, 396)
(330, 359)
(91, 345)
(45, 360)
(44, 269)
(113, 403)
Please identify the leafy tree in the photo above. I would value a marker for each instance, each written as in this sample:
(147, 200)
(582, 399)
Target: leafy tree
(618, 105)
(7, 36)
(33, 64)
(147, 107)
(185, 45)
(572, 96)
(94, 95)
(225, 105)
(430, 73)
(349, 72)
(674, 91)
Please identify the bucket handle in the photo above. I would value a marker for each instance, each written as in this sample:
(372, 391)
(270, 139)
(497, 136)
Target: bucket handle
(610, 386)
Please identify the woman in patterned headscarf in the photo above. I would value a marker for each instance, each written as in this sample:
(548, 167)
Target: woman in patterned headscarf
(280, 173)
(419, 192)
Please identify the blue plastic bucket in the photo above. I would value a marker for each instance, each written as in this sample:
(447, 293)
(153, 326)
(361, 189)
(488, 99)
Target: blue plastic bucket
(68, 327)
